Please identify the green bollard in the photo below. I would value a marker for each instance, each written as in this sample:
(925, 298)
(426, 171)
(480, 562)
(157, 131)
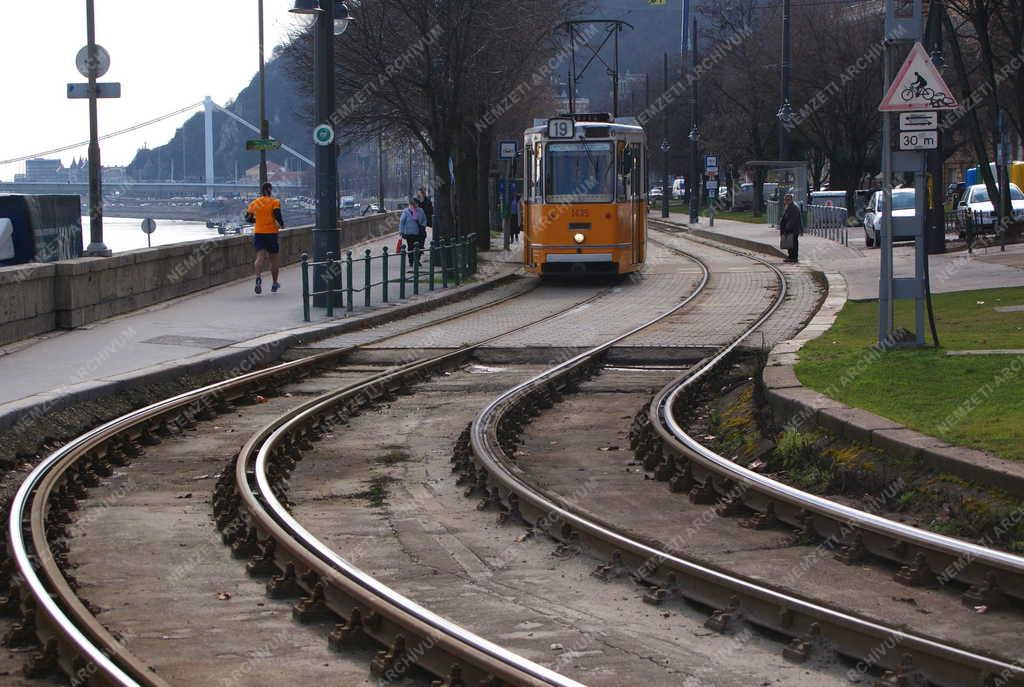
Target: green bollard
(457, 259)
(366, 277)
(416, 271)
(445, 247)
(331, 266)
(432, 258)
(384, 272)
(348, 279)
(401, 271)
(305, 287)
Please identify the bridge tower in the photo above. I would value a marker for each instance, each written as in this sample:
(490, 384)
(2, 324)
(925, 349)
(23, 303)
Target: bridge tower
(208, 107)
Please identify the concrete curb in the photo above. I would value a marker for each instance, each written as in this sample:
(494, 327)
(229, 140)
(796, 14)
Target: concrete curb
(734, 241)
(794, 405)
(235, 359)
(746, 244)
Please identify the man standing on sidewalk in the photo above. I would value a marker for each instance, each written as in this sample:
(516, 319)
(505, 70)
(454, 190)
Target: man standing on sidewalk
(265, 212)
(790, 227)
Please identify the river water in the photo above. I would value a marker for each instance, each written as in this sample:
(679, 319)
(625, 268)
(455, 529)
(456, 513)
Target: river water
(121, 234)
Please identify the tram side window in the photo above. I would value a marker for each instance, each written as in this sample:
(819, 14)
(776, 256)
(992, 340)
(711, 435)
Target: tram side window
(534, 167)
(628, 185)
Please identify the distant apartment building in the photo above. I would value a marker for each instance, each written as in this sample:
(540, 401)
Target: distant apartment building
(45, 171)
(42, 170)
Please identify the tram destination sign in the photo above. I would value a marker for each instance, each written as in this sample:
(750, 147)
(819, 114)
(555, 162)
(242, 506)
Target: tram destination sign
(561, 127)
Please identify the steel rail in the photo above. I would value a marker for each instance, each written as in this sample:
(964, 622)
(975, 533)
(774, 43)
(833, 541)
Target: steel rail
(71, 637)
(352, 588)
(992, 572)
(675, 575)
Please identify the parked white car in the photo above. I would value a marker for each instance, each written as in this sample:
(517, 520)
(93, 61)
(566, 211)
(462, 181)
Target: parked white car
(976, 202)
(902, 206)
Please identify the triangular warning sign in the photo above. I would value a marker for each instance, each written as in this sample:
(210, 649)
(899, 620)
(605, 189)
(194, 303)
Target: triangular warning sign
(918, 86)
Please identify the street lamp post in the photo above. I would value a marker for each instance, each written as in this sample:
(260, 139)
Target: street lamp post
(666, 189)
(692, 182)
(785, 110)
(264, 124)
(330, 19)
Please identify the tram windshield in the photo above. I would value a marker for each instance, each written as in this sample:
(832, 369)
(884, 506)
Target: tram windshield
(579, 172)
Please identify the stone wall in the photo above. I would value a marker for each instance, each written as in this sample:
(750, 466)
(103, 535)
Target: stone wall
(36, 298)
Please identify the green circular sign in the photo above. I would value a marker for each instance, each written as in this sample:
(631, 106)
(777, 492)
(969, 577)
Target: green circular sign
(323, 135)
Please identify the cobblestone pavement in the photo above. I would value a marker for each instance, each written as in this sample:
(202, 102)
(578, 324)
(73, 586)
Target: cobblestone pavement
(739, 291)
(627, 303)
(405, 324)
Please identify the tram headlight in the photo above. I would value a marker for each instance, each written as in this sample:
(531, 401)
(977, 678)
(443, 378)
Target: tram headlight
(579, 238)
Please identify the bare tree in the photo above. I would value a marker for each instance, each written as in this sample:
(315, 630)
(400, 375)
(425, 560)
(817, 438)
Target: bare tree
(431, 70)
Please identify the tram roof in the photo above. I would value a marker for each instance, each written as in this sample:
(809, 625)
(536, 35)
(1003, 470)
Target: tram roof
(592, 120)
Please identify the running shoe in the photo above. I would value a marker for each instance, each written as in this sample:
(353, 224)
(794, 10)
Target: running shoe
(259, 285)
(275, 288)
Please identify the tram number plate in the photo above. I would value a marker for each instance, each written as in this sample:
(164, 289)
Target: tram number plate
(561, 128)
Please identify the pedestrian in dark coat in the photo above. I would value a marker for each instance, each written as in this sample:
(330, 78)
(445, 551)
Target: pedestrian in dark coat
(426, 205)
(791, 225)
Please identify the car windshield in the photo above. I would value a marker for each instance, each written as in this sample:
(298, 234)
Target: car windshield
(579, 173)
(981, 195)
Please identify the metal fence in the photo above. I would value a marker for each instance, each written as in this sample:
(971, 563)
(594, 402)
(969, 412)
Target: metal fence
(448, 262)
(773, 213)
(828, 222)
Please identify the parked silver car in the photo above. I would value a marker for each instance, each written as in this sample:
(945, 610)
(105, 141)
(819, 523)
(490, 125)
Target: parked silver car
(903, 205)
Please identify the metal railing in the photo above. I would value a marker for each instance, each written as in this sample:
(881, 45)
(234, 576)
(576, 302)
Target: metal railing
(773, 212)
(827, 222)
(448, 262)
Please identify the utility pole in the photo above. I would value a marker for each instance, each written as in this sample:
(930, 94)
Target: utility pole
(96, 246)
(264, 124)
(693, 183)
(666, 189)
(935, 226)
(785, 110)
(380, 169)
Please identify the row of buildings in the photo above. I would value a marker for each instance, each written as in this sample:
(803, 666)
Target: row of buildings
(47, 171)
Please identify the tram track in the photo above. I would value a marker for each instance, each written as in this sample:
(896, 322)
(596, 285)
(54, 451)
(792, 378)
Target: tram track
(486, 455)
(71, 638)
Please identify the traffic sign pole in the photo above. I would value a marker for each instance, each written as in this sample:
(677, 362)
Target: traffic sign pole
(96, 247)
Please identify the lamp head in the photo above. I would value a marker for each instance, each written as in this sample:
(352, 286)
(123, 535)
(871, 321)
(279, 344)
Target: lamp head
(342, 17)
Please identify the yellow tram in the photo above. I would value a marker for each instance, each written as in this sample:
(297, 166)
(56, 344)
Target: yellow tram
(584, 196)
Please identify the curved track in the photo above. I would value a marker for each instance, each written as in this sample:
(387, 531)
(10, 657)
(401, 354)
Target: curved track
(494, 434)
(75, 643)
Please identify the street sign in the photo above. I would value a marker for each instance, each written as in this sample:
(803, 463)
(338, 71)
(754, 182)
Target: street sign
(919, 121)
(919, 140)
(507, 150)
(561, 127)
(711, 163)
(262, 144)
(103, 90)
(918, 86)
(100, 64)
(323, 135)
(148, 225)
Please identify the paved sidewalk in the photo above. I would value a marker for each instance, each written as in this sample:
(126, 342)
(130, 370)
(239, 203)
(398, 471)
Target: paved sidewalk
(959, 271)
(193, 330)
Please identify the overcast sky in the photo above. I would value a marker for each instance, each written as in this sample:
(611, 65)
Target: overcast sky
(166, 55)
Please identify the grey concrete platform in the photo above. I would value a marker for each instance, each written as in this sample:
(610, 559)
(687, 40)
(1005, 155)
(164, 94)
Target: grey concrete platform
(221, 328)
(955, 271)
